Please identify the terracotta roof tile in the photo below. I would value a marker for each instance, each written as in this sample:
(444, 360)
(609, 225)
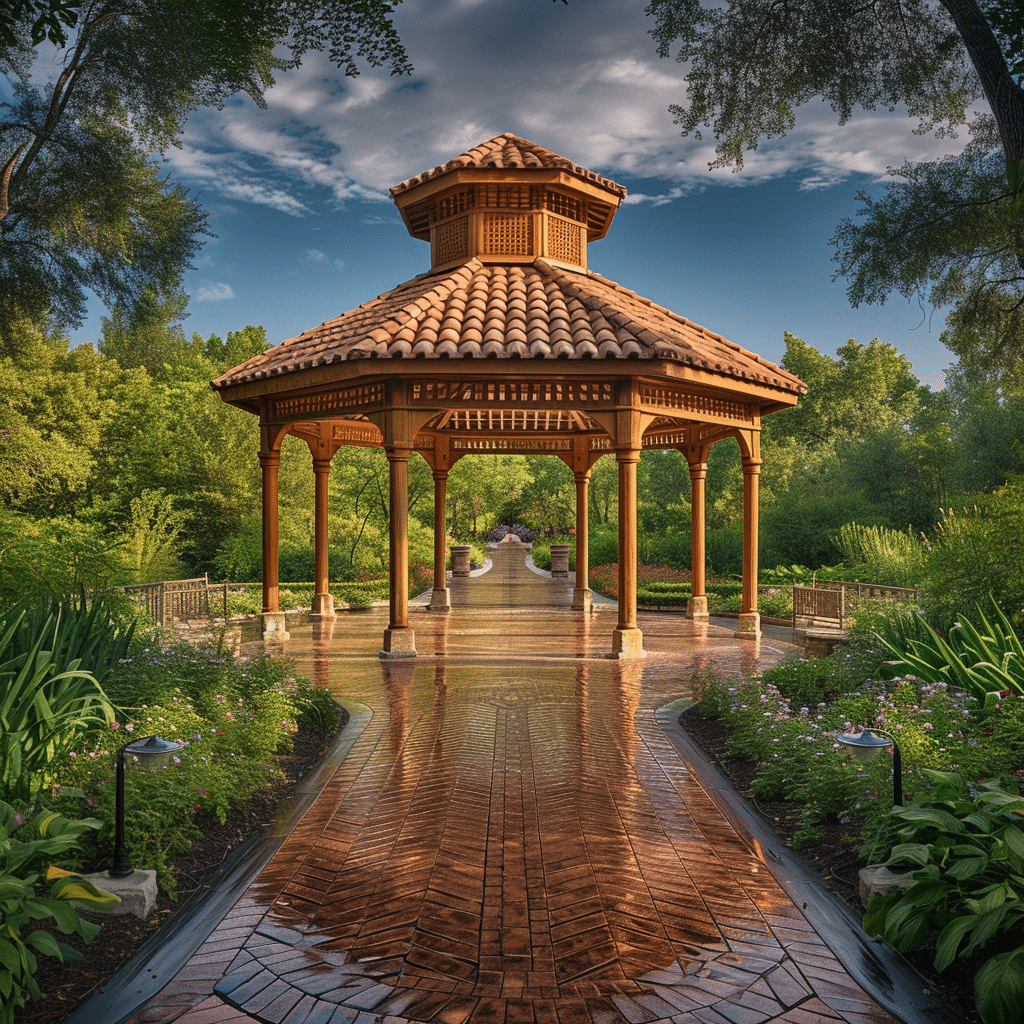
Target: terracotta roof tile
(537, 311)
(504, 151)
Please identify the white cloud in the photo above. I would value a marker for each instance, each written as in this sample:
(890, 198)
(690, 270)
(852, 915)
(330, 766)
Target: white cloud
(316, 255)
(214, 292)
(583, 79)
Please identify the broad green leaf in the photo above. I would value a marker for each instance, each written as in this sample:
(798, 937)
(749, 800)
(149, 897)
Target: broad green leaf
(949, 940)
(46, 944)
(999, 988)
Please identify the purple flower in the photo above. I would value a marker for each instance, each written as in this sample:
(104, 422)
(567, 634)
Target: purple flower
(18, 819)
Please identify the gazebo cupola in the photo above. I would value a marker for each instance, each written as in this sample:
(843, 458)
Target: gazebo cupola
(508, 201)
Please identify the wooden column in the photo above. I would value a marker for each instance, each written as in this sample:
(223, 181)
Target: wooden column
(697, 606)
(581, 595)
(273, 619)
(627, 640)
(399, 639)
(323, 603)
(440, 600)
(750, 620)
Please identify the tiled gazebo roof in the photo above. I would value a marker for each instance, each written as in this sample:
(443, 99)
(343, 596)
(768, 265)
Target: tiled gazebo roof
(508, 151)
(537, 311)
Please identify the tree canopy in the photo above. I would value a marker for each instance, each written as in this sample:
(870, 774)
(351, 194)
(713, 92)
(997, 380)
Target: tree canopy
(950, 231)
(83, 206)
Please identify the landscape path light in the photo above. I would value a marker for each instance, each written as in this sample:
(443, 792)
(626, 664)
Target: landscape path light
(866, 745)
(153, 752)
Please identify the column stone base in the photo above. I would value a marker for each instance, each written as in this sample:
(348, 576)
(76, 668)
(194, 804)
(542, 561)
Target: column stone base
(323, 607)
(628, 643)
(274, 627)
(399, 643)
(749, 627)
(697, 609)
(582, 599)
(440, 600)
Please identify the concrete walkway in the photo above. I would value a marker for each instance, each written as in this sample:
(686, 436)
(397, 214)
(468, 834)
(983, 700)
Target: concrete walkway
(518, 833)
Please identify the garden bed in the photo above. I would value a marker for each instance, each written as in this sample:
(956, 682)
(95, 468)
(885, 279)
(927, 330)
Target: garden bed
(65, 986)
(833, 856)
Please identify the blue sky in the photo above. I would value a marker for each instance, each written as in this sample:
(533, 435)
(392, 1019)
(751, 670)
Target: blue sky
(297, 194)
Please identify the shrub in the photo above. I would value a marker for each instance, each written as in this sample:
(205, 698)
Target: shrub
(892, 558)
(977, 552)
(982, 662)
(234, 717)
(966, 847)
(27, 852)
(805, 681)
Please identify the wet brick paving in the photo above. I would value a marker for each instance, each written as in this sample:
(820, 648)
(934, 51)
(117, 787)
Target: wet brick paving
(513, 838)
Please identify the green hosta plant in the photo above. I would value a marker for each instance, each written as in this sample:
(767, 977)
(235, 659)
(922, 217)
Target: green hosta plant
(26, 852)
(981, 661)
(966, 849)
(43, 710)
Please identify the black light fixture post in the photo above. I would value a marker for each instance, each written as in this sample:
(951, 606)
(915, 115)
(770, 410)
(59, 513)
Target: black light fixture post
(866, 745)
(153, 752)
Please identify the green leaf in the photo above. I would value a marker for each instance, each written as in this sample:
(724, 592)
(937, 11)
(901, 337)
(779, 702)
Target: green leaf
(999, 988)
(967, 867)
(46, 944)
(949, 940)
(930, 816)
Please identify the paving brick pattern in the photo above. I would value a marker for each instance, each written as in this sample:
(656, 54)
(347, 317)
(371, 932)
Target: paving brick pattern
(513, 839)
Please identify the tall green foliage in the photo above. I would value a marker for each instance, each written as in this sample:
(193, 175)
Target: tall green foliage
(894, 558)
(47, 702)
(976, 550)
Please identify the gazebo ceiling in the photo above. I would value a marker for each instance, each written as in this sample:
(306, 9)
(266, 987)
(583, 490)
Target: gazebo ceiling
(505, 336)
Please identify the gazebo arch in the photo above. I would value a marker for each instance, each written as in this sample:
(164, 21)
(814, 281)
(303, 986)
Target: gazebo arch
(510, 344)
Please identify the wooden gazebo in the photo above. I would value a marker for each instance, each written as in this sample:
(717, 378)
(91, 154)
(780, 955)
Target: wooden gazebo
(509, 344)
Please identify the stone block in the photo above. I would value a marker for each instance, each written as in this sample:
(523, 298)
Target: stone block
(137, 892)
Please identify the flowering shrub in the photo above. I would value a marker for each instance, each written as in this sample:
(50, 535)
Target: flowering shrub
(233, 716)
(792, 738)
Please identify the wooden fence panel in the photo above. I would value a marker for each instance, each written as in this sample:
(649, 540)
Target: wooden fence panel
(173, 600)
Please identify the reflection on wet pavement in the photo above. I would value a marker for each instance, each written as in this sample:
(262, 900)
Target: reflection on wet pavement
(512, 837)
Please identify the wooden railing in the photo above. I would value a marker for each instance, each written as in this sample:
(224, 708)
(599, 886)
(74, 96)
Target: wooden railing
(172, 600)
(828, 604)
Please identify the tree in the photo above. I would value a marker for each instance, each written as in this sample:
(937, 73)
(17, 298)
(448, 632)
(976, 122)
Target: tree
(82, 205)
(949, 231)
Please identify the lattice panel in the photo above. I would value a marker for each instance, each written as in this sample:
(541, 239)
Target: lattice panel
(563, 205)
(697, 405)
(508, 234)
(512, 393)
(455, 204)
(508, 444)
(329, 401)
(564, 241)
(507, 197)
(528, 421)
(449, 241)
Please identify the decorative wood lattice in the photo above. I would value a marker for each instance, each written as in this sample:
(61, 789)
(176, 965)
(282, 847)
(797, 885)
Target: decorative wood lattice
(450, 241)
(563, 205)
(698, 405)
(528, 421)
(564, 241)
(328, 401)
(507, 197)
(453, 205)
(508, 444)
(514, 393)
(508, 234)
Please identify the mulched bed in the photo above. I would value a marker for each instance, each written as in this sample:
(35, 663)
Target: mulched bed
(65, 986)
(834, 857)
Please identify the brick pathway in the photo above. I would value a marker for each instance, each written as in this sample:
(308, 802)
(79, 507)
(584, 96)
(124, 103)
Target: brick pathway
(514, 839)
